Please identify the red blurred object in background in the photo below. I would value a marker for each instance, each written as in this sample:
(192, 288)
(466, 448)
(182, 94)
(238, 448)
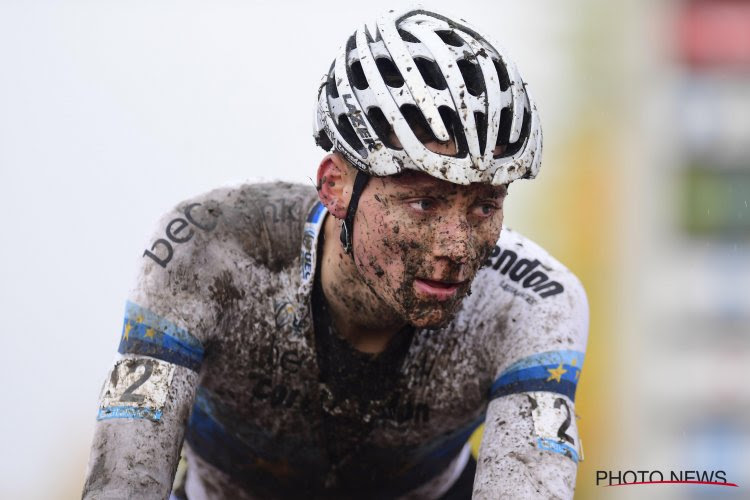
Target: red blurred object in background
(715, 33)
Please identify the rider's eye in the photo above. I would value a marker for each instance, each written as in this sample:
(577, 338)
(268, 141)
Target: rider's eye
(486, 209)
(423, 205)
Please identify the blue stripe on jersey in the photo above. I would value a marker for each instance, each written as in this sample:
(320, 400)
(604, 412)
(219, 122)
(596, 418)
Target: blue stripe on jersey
(552, 371)
(146, 333)
(557, 447)
(566, 357)
(128, 412)
(315, 213)
(254, 457)
(249, 454)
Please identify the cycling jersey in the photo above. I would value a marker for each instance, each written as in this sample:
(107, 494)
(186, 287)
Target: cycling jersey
(226, 341)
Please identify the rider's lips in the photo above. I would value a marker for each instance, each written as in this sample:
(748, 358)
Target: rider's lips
(437, 290)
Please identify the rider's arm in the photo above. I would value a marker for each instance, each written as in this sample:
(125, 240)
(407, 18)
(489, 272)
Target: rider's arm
(149, 391)
(530, 446)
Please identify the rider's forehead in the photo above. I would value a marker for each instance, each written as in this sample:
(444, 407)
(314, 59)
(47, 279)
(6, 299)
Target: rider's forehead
(420, 180)
(412, 178)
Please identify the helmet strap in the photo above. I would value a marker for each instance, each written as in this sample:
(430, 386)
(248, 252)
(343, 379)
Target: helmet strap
(347, 226)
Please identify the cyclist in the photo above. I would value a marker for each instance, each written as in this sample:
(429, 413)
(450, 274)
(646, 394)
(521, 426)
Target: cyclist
(346, 341)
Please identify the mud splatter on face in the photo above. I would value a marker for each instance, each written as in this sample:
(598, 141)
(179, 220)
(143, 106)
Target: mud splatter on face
(415, 227)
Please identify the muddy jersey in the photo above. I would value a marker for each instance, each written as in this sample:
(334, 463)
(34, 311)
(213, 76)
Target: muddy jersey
(226, 343)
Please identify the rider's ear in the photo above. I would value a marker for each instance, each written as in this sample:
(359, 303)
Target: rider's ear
(334, 184)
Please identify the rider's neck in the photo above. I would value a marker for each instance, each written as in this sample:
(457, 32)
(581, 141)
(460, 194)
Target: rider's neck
(358, 315)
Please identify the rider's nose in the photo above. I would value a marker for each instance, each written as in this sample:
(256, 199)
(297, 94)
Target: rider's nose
(453, 239)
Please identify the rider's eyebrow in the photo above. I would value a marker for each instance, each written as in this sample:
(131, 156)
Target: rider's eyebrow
(420, 183)
(501, 190)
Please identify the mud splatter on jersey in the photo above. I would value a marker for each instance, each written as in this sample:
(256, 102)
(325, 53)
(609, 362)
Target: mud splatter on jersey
(278, 404)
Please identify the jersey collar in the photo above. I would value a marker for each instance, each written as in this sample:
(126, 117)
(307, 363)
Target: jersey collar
(308, 261)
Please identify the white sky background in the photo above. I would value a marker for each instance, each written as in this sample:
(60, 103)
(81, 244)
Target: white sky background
(111, 113)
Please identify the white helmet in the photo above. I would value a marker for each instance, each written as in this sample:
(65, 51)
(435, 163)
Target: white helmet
(425, 71)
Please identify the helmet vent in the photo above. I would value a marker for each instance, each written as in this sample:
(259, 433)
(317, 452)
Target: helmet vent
(417, 123)
(323, 141)
(450, 37)
(389, 72)
(408, 37)
(382, 127)
(333, 91)
(502, 73)
(358, 76)
(350, 136)
(481, 120)
(472, 77)
(455, 129)
(503, 133)
(431, 73)
(516, 146)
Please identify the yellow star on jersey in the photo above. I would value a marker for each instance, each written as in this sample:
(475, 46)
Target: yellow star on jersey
(556, 373)
(126, 333)
(150, 333)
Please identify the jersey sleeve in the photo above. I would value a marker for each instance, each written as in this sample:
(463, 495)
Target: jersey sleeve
(166, 331)
(530, 447)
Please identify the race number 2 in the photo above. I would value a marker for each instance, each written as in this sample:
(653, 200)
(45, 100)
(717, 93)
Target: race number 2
(136, 388)
(554, 424)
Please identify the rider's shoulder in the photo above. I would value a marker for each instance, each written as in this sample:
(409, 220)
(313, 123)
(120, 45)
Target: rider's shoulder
(528, 301)
(519, 268)
(258, 220)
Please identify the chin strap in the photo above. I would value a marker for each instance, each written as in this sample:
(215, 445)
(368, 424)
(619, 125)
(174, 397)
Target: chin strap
(347, 226)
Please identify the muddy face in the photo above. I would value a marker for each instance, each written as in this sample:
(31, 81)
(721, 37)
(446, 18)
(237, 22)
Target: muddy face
(419, 241)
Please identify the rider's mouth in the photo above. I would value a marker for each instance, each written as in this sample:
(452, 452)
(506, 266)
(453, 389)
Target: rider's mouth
(435, 289)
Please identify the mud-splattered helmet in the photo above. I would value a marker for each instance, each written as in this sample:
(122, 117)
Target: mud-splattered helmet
(423, 74)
